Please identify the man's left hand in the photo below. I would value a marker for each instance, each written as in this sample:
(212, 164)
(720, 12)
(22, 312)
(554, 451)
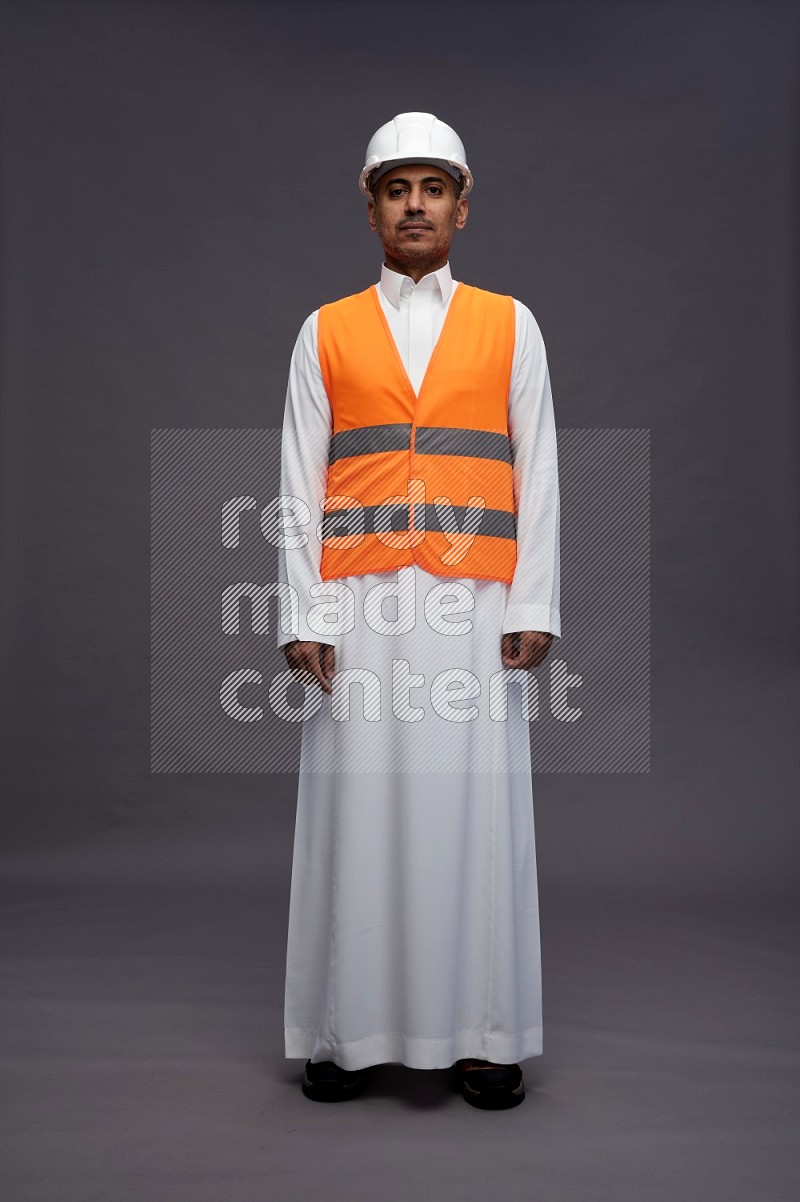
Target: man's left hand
(525, 648)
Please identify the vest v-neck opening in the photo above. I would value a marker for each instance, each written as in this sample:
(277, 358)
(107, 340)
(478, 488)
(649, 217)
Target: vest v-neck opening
(434, 353)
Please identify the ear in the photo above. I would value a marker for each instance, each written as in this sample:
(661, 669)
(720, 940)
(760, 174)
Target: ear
(462, 212)
(373, 225)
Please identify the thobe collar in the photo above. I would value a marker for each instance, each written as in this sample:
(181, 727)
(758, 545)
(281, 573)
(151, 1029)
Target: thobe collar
(394, 285)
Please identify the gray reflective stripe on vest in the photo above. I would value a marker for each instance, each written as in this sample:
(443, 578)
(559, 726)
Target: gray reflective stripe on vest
(430, 440)
(339, 523)
(476, 444)
(369, 440)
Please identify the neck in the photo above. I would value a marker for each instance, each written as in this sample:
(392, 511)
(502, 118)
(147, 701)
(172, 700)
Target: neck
(415, 271)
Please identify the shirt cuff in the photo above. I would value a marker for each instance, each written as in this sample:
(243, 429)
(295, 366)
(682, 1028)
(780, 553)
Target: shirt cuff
(532, 617)
(305, 634)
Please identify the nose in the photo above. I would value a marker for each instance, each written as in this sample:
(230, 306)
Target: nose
(415, 201)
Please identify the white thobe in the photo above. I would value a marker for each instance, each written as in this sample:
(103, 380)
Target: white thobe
(413, 918)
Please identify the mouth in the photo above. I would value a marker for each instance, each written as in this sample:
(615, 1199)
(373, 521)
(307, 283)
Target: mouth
(416, 227)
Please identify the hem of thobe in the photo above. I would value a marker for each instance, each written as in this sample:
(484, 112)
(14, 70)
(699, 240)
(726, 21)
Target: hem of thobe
(393, 1047)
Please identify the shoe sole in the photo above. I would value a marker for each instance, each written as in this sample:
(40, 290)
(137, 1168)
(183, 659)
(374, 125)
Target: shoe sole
(494, 1098)
(331, 1091)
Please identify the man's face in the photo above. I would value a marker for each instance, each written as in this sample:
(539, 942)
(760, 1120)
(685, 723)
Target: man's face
(415, 213)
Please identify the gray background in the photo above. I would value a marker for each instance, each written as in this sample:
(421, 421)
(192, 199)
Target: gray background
(178, 193)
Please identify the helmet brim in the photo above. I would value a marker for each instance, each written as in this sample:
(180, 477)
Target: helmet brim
(369, 168)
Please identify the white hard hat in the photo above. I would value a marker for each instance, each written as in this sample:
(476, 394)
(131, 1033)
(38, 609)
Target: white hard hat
(415, 138)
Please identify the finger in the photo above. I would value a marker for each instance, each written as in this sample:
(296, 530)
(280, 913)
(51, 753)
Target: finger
(510, 650)
(314, 666)
(534, 648)
(328, 658)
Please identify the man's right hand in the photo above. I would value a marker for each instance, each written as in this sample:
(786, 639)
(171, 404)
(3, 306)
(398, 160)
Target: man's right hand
(317, 658)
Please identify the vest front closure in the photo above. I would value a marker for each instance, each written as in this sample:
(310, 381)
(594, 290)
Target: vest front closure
(416, 397)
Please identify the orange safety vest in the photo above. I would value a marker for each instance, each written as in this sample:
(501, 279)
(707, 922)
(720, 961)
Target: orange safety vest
(427, 477)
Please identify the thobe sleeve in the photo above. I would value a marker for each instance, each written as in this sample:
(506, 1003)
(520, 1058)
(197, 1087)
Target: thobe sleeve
(304, 475)
(534, 595)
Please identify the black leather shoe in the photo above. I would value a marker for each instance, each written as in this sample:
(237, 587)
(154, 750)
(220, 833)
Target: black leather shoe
(326, 1082)
(491, 1088)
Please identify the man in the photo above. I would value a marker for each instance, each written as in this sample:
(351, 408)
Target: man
(413, 926)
